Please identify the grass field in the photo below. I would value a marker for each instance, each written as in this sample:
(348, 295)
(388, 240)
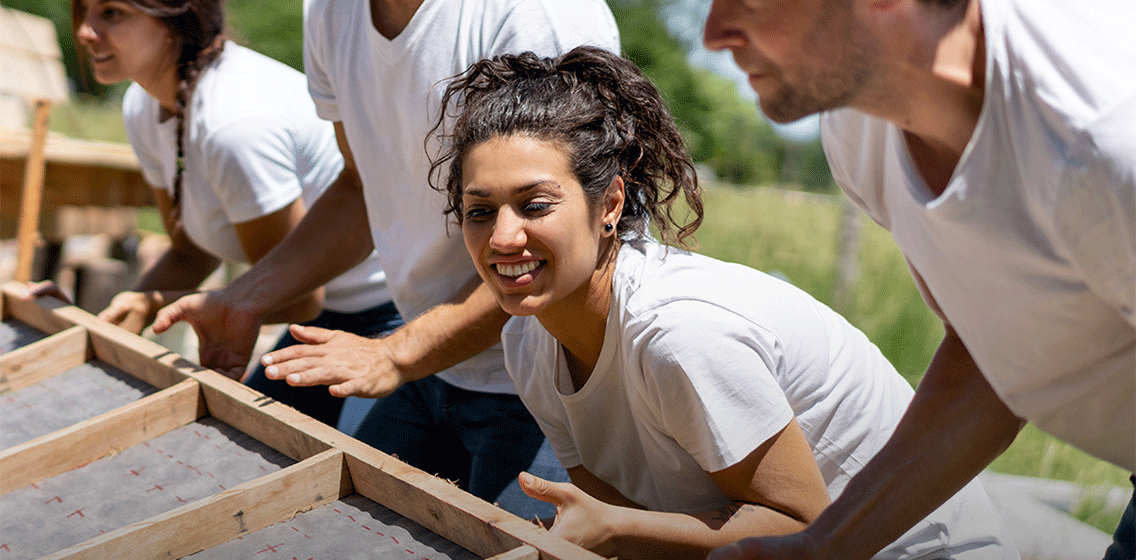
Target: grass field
(796, 234)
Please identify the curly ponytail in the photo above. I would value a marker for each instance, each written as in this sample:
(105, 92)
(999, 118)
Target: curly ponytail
(596, 103)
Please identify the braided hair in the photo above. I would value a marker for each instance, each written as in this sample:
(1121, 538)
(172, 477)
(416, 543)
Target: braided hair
(197, 27)
(597, 104)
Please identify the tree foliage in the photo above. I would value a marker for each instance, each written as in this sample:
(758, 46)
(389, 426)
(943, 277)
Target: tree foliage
(724, 133)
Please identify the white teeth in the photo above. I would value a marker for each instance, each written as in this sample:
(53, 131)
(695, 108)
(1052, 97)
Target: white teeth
(515, 270)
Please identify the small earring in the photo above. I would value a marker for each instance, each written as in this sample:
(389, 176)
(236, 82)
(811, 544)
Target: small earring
(608, 227)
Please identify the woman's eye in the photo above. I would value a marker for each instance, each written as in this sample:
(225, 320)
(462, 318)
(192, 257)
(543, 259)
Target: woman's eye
(477, 214)
(111, 13)
(537, 207)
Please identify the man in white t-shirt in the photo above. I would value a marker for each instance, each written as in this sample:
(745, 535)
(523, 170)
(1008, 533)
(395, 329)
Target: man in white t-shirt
(997, 143)
(377, 70)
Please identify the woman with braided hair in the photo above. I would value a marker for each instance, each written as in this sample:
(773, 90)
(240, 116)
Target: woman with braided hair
(692, 401)
(231, 144)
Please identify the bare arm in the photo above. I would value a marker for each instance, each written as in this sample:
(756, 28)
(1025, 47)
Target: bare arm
(955, 426)
(776, 489)
(447, 334)
(227, 321)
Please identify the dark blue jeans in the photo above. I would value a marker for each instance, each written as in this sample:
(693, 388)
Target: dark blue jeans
(480, 440)
(1123, 545)
(316, 401)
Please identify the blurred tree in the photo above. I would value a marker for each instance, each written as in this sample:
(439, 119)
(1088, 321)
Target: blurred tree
(724, 132)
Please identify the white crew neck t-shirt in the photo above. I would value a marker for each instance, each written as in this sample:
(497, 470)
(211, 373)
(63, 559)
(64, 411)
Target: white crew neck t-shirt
(253, 144)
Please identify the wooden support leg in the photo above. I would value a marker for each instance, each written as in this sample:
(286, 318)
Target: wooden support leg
(28, 233)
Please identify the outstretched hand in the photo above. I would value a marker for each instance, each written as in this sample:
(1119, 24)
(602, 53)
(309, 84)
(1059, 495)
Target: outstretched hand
(349, 364)
(580, 518)
(226, 332)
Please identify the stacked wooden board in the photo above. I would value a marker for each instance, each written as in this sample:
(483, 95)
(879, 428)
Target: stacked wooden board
(115, 447)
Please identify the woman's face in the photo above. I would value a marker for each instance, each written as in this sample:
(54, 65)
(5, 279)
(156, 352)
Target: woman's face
(125, 44)
(534, 236)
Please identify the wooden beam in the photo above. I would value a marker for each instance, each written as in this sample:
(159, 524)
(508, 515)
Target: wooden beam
(28, 235)
(44, 358)
(525, 552)
(273, 423)
(40, 313)
(445, 509)
(209, 522)
(79, 444)
(147, 360)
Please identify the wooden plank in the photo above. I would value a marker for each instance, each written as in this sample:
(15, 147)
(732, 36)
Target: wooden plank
(438, 505)
(275, 424)
(525, 552)
(232, 513)
(40, 314)
(44, 358)
(144, 359)
(72, 447)
(28, 235)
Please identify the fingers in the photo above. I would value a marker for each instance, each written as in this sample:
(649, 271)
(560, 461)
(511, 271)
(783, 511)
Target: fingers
(167, 316)
(311, 335)
(46, 288)
(543, 490)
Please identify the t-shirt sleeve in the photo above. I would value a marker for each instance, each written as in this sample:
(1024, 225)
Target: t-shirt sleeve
(315, 43)
(562, 25)
(142, 138)
(252, 167)
(707, 381)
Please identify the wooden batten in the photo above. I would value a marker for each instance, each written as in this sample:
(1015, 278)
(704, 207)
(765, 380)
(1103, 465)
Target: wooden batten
(40, 313)
(79, 444)
(146, 360)
(274, 424)
(447, 510)
(525, 552)
(209, 522)
(44, 358)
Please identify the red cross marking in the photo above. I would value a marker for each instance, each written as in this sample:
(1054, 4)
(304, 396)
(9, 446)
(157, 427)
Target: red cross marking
(271, 547)
(156, 487)
(55, 499)
(78, 511)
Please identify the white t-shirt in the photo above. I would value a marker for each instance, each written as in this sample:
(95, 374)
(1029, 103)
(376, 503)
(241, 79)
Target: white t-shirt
(702, 362)
(1030, 250)
(253, 145)
(387, 94)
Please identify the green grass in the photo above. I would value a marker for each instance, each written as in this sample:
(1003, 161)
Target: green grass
(90, 120)
(796, 234)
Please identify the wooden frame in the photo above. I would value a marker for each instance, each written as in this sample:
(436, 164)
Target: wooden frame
(329, 464)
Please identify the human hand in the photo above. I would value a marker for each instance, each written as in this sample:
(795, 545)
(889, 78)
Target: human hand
(130, 310)
(580, 518)
(350, 365)
(797, 546)
(46, 288)
(226, 331)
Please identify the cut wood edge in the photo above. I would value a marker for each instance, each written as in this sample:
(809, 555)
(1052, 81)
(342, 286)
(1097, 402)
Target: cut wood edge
(103, 435)
(237, 511)
(524, 552)
(44, 358)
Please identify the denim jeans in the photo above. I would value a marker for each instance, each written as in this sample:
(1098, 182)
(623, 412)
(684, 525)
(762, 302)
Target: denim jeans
(479, 440)
(1123, 545)
(316, 401)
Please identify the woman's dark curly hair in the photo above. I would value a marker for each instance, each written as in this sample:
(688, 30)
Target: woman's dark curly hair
(598, 105)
